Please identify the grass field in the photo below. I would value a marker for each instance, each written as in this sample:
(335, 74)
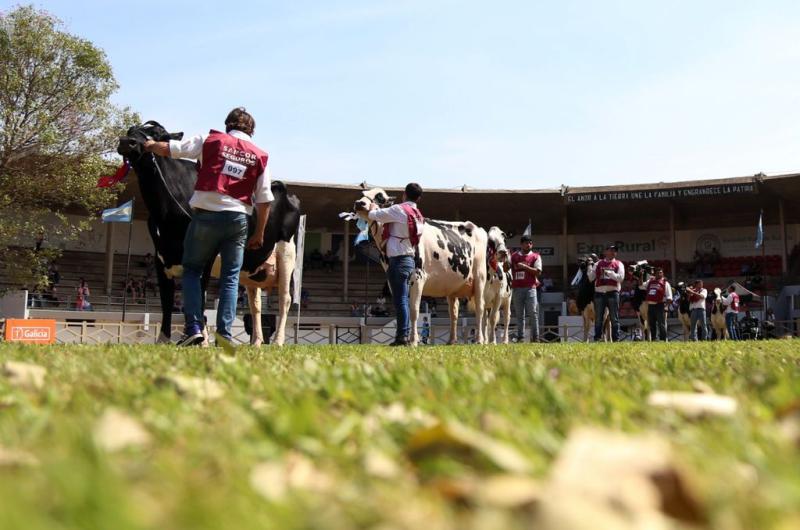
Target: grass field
(372, 437)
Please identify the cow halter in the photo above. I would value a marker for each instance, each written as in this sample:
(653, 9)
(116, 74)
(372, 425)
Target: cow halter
(164, 182)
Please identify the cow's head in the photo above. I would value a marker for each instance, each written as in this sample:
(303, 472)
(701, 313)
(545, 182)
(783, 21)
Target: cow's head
(641, 269)
(584, 262)
(131, 146)
(376, 196)
(681, 288)
(497, 243)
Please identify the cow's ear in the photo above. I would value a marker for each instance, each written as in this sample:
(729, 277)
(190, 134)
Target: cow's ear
(176, 136)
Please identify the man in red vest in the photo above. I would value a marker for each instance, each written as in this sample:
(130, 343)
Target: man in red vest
(232, 177)
(526, 266)
(402, 230)
(731, 303)
(659, 293)
(607, 275)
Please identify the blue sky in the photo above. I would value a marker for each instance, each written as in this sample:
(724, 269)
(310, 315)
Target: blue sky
(516, 94)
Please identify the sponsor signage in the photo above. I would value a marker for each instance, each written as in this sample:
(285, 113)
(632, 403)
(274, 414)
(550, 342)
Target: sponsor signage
(663, 193)
(545, 251)
(32, 331)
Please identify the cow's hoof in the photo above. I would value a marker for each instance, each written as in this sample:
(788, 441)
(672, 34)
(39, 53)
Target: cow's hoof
(256, 343)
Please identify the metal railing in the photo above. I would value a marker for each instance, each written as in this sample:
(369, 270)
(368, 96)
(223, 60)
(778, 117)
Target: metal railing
(339, 332)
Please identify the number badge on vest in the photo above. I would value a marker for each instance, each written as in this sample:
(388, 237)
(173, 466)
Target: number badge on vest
(233, 170)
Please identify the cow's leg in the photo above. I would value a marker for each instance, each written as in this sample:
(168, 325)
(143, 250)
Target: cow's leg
(491, 317)
(480, 313)
(452, 308)
(417, 283)
(506, 303)
(166, 291)
(287, 256)
(254, 303)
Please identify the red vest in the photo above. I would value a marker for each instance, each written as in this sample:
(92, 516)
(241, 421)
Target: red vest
(602, 265)
(414, 220)
(734, 302)
(522, 278)
(231, 166)
(695, 297)
(656, 289)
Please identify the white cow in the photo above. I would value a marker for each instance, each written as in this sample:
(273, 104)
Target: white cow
(450, 263)
(497, 295)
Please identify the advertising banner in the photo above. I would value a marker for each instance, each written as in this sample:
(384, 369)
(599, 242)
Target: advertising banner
(31, 331)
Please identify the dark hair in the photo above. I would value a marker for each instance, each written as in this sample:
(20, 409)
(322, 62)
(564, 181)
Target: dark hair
(525, 239)
(657, 269)
(413, 191)
(241, 120)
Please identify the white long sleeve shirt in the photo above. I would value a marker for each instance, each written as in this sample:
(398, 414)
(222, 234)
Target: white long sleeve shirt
(192, 148)
(700, 304)
(399, 243)
(727, 300)
(616, 276)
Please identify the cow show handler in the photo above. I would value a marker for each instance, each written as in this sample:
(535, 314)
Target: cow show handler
(232, 176)
(402, 229)
(731, 303)
(526, 266)
(697, 310)
(607, 275)
(659, 294)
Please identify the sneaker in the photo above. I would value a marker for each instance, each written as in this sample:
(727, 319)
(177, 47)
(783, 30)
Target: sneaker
(225, 343)
(192, 336)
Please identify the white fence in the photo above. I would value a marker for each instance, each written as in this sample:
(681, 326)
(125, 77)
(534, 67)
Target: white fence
(338, 331)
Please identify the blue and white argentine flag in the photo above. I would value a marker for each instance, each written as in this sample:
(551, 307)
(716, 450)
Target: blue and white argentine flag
(120, 214)
(760, 230)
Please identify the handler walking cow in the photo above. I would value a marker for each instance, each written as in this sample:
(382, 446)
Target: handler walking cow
(526, 266)
(607, 276)
(232, 175)
(402, 229)
(659, 293)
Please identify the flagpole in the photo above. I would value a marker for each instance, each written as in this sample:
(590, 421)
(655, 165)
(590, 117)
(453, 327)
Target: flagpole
(127, 265)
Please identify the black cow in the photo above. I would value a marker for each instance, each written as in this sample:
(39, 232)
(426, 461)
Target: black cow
(167, 185)
(585, 298)
(641, 272)
(684, 313)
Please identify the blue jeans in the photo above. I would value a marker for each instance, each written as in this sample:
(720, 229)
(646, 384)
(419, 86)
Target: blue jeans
(602, 301)
(209, 234)
(730, 323)
(399, 273)
(657, 321)
(698, 316)
(526, 304)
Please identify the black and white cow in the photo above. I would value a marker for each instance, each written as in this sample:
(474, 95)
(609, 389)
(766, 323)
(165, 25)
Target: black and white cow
(684, 313)
(642, 273)
(450, 263)
(166, 186)
(717, 319)
(585, 298)
(497, 295)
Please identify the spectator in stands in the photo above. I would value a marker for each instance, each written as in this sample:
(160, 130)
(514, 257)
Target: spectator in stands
(82, 296)
(53, 276)
(769, 324)
(315, 259)
(607, 275)
(731, 303)
(177, 303)
(129, 291)
(426, 330)
(305, 298)
(380, 308)
(697, 310)
(37, 246)
(355, 310)
(330, 260)
(659, 295)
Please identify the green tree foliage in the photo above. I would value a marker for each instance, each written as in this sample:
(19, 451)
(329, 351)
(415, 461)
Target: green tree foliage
(58, 127)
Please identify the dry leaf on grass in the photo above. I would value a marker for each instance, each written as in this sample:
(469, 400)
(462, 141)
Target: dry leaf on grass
(116, 430)
(192, 387)
(605, 479)
(24, 375)
(444, 436)
(694, 405)
(16, 458)
(274, 479)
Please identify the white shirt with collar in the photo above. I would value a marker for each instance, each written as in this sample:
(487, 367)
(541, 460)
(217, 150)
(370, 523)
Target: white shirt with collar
(192, 148)
(399, 243)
